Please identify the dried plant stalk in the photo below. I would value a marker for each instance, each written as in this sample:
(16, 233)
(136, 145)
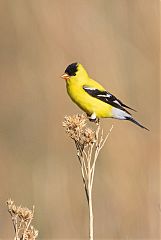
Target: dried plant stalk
(21, 219)
(88, 144)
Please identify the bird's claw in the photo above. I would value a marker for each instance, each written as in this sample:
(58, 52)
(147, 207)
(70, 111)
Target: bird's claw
(94, 119)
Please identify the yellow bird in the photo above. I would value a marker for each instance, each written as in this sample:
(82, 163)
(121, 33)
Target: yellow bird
(92, 98)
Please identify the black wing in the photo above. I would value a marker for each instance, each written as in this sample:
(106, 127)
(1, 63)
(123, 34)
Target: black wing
(107, 98)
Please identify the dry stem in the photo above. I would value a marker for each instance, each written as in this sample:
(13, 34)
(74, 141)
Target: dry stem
(88, 144)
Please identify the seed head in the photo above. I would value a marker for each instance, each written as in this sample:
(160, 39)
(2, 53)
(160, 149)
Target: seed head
(75, 127)
(88, 136)
(31, 234)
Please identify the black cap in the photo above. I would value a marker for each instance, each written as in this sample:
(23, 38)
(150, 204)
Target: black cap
(71, 69)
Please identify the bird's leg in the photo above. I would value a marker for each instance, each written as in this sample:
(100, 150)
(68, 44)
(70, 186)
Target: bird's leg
(97, 121)
(93, 118)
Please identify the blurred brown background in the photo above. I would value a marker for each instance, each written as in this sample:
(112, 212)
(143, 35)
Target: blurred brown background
(118, 43)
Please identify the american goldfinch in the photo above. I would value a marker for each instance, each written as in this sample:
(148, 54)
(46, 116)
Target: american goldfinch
(92, 98)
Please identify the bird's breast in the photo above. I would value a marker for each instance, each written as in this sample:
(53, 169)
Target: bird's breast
(88, 103)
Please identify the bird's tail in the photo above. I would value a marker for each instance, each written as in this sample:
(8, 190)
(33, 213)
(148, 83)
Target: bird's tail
(134, 121)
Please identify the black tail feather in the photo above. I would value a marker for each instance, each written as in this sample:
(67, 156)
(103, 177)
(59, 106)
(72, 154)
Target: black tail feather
(137, 123)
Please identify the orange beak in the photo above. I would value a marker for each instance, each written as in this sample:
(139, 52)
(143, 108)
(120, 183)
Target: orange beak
(65, 76)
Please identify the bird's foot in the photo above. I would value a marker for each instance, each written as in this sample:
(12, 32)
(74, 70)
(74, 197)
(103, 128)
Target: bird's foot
(93, 118)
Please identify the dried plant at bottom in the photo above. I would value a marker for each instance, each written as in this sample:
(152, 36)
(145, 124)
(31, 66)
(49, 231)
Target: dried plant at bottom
(88, 144)
(21, 219)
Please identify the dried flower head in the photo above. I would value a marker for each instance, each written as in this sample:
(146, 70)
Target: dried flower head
(10, 204)
(88, 136)
(74, 125)
(75, 128)
(31, 234)
(24, 213)
(22, 218)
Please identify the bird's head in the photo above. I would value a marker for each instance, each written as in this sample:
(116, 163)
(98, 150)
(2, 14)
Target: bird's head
(75, 72)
